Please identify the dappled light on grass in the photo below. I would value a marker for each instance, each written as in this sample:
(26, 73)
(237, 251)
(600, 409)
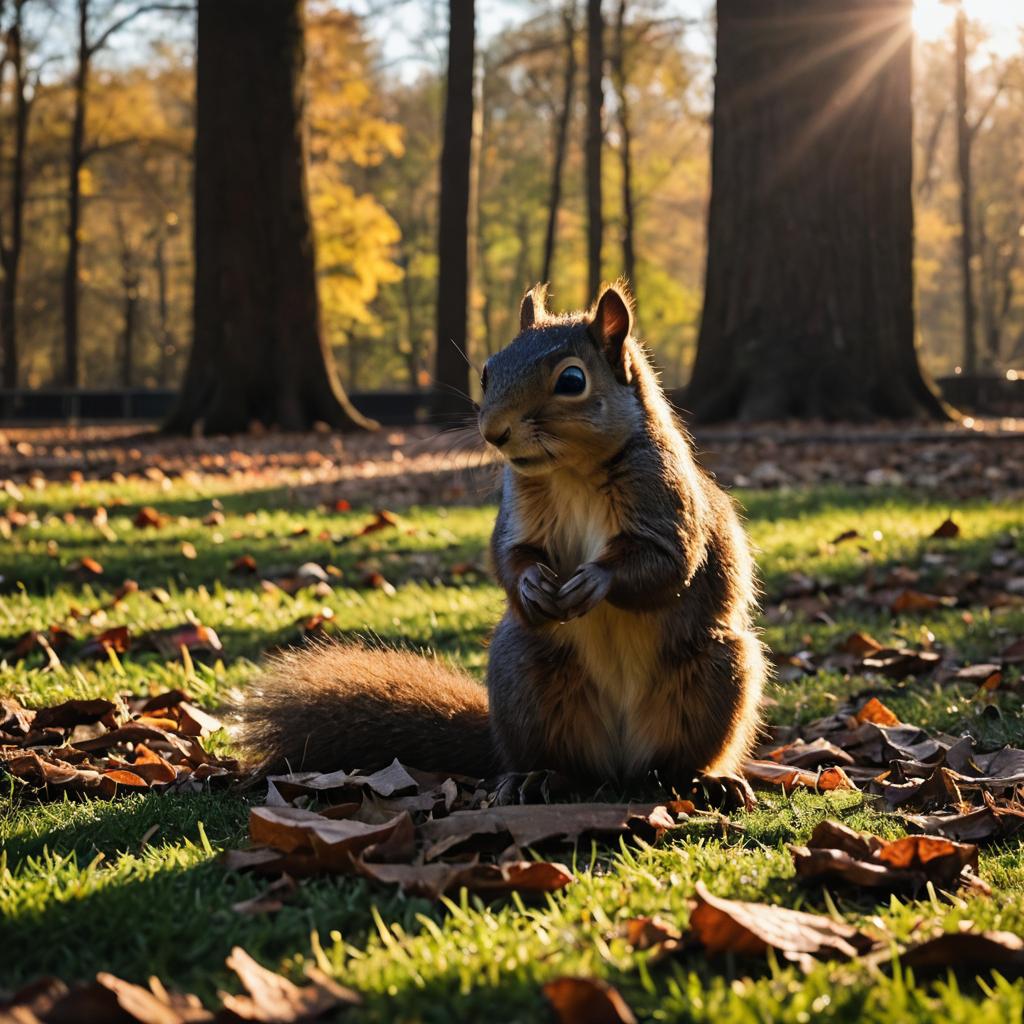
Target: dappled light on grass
(836, 637)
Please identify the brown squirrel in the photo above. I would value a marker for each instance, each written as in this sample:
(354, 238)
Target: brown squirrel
(627, 644)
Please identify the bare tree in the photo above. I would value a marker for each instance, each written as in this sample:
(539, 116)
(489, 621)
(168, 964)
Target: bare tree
(12, 236)
(562, 123)
(620, 76)
(594, 141)
(90, 41)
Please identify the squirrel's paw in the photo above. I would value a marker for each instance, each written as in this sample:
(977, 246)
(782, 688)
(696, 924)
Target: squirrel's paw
(537, 787)
(584, 590)
(538, 590)
(726, 792)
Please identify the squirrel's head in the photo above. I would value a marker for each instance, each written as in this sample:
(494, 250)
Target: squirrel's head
(563, 393)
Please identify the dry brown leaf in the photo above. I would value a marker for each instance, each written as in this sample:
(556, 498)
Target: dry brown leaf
(71, 713)
(528, 825)
(653, 933)
(969, 951)
(117, 639)
(333, 842)
(861, 644)
(149, 517)
(916, 601)
(433, 880)
(734, 926)
(587, 1001)
(835, 852)
(946, 530)
(273, 999)
(790, 777)
(270, 900)
(819, 752)
(381, 521)
(877, 713)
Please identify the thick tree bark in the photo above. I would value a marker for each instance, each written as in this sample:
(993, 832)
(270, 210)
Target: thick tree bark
(621, 78)
(594, 140)
(258, 354)
(964, 139)
(451, 362)
(10, 251)
(809, 297)
(561, 139)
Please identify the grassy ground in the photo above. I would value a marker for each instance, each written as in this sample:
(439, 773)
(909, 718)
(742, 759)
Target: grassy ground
(91, 886)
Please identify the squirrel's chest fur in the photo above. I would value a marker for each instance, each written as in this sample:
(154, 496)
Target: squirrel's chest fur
(573, 519)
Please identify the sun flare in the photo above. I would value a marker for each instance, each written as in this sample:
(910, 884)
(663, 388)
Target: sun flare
(1003, 20)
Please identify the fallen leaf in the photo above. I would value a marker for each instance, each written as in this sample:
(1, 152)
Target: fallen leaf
(381, 521)
(644, 933)
(528, 825)
(877, 713)
(273, 999)
(270, 900)
(188, 550)
(946, 530)
(916, 601)
(587, 1001)
(433, 880)
(970, 951)
(734, 926)
(790, 777)
(149, 517)
(835, 852)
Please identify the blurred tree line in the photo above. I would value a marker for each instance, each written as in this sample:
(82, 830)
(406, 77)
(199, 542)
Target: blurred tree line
(97, 125)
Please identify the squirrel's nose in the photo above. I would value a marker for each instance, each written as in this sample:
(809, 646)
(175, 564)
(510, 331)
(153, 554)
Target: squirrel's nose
(498, 439)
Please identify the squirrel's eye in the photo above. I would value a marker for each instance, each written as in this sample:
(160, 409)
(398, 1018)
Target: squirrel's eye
(571, 381)
(483, 379)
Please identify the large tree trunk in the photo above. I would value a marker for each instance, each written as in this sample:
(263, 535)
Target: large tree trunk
(809, 298)
(76, 159)
(621, 77)
(10, 252)
(561, 139)
(451, 399)
(258, 354)
(964, 139)
(595, 138)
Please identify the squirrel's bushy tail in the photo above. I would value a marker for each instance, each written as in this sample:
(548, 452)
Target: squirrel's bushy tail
(348, 705)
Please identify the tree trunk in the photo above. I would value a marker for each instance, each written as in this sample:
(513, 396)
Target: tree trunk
(163, 332)
(76, 159)
(10, 253)
(964, 138)
(258, 353)
(129, 304)
(621, 77)
(809, 297)
(451, 368)
(561, 140)
(595, 137)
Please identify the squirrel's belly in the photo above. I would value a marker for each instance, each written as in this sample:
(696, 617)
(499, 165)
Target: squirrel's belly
(619, 651)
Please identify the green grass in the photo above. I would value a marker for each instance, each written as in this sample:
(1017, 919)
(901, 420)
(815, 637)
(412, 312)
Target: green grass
(90, 886)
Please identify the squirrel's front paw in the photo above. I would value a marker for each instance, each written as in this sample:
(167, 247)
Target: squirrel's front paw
(584, 590)
(538, 592)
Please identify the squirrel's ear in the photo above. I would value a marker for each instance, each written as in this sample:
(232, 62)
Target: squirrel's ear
(533, 307)
(611, 324)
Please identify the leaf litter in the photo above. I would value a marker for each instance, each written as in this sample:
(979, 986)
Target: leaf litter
(105, 749)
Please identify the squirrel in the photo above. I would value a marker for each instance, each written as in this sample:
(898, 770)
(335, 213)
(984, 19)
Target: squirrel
(627, 644)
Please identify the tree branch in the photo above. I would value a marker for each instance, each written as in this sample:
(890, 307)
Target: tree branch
(104, 37)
